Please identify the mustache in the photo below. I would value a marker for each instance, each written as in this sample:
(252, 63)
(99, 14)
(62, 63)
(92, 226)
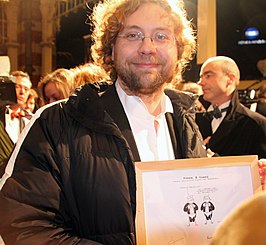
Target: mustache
(146, 60)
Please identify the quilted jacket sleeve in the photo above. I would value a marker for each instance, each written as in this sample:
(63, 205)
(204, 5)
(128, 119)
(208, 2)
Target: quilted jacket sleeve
(32, 199)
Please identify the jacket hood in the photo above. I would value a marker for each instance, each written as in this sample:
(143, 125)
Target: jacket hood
(85, 106)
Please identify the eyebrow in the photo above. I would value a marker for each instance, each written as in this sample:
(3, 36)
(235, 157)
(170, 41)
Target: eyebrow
(207, 73)
(127, 28)
(20, 85)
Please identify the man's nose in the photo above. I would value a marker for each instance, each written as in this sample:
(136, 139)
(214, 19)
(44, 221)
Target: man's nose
(23, 90)
(201, 82)
(147, 46)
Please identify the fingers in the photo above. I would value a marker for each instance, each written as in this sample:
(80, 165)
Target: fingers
(206, 141)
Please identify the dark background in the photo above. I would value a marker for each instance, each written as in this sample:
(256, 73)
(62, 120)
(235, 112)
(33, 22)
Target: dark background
(233, 17)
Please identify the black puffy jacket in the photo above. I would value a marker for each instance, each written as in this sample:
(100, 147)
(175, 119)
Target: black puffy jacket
(73, 180)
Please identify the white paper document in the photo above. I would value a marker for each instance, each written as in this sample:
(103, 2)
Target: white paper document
(186, 206)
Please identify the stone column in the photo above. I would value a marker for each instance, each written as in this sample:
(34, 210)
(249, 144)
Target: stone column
(206, 30)
(48, 8)
(12, 8)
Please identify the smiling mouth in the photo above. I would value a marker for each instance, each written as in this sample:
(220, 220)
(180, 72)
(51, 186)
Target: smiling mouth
(146, 65)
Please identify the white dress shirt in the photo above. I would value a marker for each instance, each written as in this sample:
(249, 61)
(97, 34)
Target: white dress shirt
(13, 125)
(217, 121)
(153, 144)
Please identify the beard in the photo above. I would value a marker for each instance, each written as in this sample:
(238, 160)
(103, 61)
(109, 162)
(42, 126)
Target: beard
(144, 81)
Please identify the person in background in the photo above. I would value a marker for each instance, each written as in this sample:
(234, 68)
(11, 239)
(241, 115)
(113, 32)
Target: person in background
(245, 225)
(32, 103)
(90, 73)
(12, 117)
(191, 87)
(195, 89)
(56, 85)
(73, 180)
(261, 103)
(23, 85)
(6, 147)
(228, 127)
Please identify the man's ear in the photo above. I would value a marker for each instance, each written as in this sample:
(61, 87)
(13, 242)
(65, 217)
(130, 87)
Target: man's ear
(230, 80)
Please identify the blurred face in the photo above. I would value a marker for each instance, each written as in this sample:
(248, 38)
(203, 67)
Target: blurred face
(23, 86)
(51, 93)
(30, 105)
(145, 51)
(215, 84)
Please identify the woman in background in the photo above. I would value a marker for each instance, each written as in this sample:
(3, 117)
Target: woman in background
(32, 103)
(56, 85)
(91, 73)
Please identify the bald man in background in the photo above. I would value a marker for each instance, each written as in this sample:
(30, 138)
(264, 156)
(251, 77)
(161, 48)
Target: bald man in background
(228, 127)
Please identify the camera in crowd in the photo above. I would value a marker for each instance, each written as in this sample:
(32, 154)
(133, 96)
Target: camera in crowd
(7, 83)
(8, 90)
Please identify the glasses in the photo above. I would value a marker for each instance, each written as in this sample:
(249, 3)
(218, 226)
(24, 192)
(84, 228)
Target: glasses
(159, 38)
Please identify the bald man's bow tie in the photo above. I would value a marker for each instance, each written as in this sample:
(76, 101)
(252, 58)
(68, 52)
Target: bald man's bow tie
(215, 113)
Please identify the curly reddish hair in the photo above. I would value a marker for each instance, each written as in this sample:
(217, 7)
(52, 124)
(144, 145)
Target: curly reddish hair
(107, 21)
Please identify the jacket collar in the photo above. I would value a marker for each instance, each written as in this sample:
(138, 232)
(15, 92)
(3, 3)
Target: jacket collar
(114, 108)
(85, 106)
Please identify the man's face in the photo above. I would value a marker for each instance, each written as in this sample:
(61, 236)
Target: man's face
(214, 84)
(145, 65)
(23, 86)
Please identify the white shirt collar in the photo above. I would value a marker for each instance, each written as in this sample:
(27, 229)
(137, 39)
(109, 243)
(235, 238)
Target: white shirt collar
(222, 106)
(136, 106)
(152, 145)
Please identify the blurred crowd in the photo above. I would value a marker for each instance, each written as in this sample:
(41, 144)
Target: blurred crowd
(15, 113)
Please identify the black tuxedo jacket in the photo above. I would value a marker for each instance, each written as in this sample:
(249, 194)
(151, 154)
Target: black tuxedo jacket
(242, 131)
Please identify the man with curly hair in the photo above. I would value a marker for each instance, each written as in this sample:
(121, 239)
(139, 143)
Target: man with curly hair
(145, 46)
(73, 180)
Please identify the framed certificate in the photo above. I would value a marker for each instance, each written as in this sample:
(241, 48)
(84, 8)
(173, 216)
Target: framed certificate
(183, 201)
